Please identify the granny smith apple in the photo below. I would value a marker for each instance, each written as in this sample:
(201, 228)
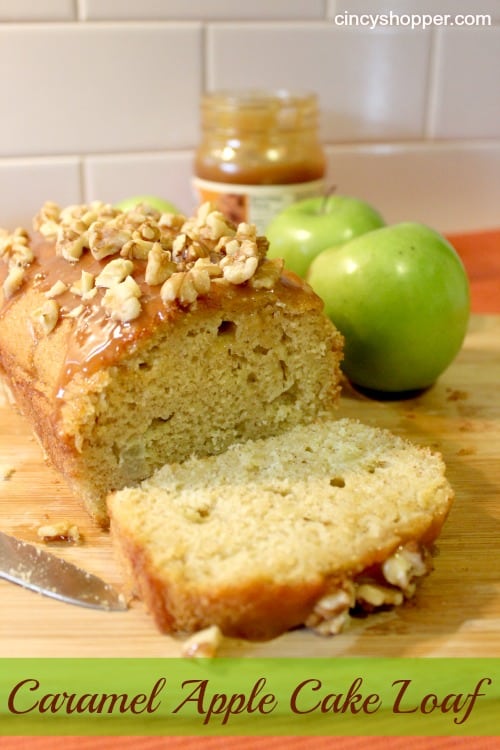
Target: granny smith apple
(302, 230)
(151, 200)
(400, 296)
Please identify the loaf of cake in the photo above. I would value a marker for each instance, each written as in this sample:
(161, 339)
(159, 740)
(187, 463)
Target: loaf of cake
(134, 339)
(297, 529)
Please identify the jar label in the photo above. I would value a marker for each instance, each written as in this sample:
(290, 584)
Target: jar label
(254, 204)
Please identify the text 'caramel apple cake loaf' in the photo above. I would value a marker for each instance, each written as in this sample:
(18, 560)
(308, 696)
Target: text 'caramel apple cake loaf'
(135, 339)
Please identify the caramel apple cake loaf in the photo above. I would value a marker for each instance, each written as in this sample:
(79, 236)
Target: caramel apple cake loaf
(134, 339)
(296, 529)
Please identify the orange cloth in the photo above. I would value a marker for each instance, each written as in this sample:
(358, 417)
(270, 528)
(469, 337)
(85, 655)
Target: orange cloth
(249, 743)
(480, 253)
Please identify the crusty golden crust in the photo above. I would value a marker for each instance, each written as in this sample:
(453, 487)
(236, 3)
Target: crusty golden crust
(259, 610)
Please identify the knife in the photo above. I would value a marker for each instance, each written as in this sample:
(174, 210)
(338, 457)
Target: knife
(34, 568)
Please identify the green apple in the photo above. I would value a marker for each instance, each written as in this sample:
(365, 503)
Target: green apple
(302, 230)
(400, 296)
(151, 200)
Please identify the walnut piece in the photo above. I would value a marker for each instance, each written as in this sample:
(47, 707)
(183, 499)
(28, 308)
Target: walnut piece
(203, 644)
(84, 287)
(56, 289)
(185, 286)
(121, 300)
(106, 238)
(331, 613)
(405, 565)
(13, 281)
(160, 265)
(114, 272)
(70, 243)
(373, 595)
(46, 220)
(47, 315)
(267, 273)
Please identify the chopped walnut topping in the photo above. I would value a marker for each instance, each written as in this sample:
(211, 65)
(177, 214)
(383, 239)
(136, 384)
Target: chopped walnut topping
(171, 223)
(106, 238)
(179, 286)
(114, 272)
(203, 644)
(84, 287)
(215, 226)
(46, 220)
(47, 316)
(267, 273)
(160, 265)
(137, 247)
(122, 300)
(213, 269)
(406, 564)
(14, 248)
(70, 243)
(372, 595)
(4, 241)
(185, 286)
(237, 270)
(56, 289)
(331, 613)
(21, 255)
(75, 312)
(13, 281)
(182, 256)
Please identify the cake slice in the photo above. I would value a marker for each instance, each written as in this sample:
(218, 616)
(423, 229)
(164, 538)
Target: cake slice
(133, 339)
(291, 530)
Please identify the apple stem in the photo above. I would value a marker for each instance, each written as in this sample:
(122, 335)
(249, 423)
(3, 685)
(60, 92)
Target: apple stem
(328, 192)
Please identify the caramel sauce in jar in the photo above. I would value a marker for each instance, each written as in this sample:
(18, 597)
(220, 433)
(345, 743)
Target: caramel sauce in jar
(259, 152)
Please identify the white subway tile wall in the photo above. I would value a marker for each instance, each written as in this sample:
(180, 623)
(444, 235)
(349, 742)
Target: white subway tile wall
(99, 98)
(466, 97)
(200, 9)
(80, 88)
(37, 10)
(26, 183)
(371, 84)
(113, 178)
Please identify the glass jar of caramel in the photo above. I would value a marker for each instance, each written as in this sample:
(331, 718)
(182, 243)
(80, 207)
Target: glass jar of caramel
(259, 152)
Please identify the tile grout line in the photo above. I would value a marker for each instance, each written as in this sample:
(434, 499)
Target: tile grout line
(431, 86)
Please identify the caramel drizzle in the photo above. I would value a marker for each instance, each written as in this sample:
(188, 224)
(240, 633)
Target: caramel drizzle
(96, 341)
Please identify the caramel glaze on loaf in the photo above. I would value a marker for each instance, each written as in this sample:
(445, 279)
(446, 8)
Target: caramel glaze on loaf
(111, 401)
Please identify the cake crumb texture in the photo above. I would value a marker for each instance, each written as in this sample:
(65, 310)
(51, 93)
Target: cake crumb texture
(259, 538)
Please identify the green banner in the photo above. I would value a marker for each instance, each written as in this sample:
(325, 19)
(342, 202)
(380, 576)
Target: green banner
(329, 697)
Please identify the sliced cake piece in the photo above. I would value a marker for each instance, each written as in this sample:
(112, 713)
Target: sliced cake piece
(284, 531)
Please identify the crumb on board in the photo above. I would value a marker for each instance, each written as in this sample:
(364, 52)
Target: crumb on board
(62, 531)
(466, 452)
(453, 394)
(6, 471)
(203, 644)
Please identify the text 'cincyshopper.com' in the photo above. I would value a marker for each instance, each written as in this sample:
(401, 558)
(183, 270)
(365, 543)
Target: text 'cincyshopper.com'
(411, 20)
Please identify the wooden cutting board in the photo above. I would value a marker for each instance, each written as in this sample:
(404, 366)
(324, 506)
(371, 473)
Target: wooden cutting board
(455, 613)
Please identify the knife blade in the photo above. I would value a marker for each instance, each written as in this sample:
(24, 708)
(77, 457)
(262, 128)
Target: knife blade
(34, 568)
